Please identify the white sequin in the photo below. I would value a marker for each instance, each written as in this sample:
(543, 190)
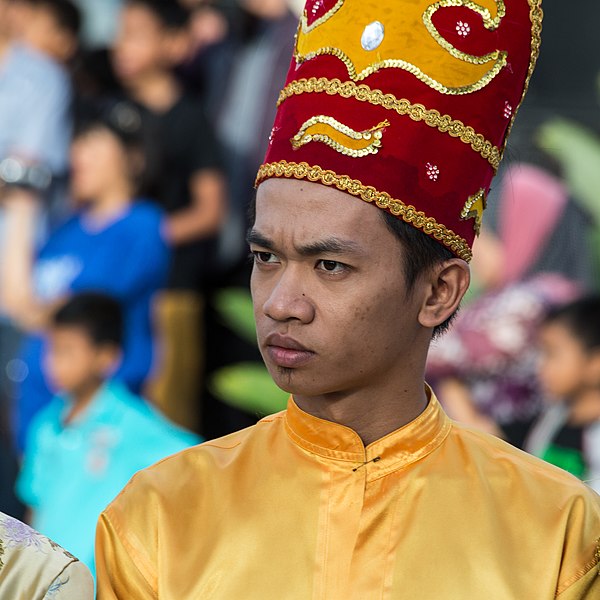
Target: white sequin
(463, 29)
(318, 4)
(433, 171)
(372, 36)
(508, 110)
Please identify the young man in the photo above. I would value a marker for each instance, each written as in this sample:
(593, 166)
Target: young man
(364, 488)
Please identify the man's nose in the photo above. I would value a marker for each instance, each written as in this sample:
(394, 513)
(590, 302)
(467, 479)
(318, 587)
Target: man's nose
(289, 300)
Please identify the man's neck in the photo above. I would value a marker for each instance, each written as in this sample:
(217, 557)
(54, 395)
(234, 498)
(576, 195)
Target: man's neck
(372, 413)
(158, 91)
(111, 205)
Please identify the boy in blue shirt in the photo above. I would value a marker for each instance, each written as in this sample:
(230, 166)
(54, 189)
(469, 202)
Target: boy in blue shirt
(91, 439)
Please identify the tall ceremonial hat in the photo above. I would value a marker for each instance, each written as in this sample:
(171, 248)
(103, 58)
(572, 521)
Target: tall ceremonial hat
(406, 104)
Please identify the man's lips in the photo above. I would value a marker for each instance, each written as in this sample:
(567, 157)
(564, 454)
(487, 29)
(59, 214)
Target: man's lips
(286, 352)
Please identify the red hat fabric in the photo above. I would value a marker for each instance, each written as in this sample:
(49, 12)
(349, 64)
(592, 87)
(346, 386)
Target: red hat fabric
(406, 104)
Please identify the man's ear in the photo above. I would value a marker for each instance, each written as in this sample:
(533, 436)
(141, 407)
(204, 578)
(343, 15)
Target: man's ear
(445, 286)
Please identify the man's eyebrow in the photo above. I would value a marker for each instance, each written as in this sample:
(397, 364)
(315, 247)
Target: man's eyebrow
(331, 245)
(258, 239)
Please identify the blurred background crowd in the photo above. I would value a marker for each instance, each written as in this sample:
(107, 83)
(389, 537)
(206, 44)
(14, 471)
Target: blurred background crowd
(130, 135)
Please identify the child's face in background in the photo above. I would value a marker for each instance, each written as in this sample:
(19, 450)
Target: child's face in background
(74, 364)
(565, 367)
(99, 162)
(138, 48)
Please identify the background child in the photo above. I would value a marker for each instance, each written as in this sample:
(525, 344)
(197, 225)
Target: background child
(89, 441)
(568, 432)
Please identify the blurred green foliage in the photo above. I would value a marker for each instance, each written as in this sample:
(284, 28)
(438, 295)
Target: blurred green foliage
(577, 150)
(246, 386)
(249, 386)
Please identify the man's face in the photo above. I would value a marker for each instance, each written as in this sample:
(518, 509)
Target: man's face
(332, 311)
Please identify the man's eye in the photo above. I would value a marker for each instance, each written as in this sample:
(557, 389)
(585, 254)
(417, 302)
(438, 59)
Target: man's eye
(264, 257)
(331, 266)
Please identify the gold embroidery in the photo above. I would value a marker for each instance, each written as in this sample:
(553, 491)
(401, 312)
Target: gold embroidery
(417, 112)
(474, 208)
(449, 71)
(383, 200)
(488, 23)
(1, 554)
(536, 15)
(306, 27)
(340, 137)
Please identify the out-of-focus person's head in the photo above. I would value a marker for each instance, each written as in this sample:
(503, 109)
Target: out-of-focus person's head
(570, 349)
(84, 342)
(153, 36)
(266, 9)
(53, 28)
(531, 202)
(15, 15)
(111, 150)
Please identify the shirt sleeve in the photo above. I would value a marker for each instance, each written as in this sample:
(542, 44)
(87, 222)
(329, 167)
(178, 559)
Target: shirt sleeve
(45, 131)
(117, 565)
(580, 572)
(74, 583)
(586, 587)
(206, 152)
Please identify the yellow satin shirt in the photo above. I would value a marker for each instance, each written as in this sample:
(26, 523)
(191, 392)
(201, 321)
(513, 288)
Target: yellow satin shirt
(297, 508)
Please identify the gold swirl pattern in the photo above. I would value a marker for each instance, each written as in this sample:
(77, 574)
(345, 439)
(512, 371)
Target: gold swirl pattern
(417, 112)
(340, 137)
(430, 57)
(383, 200)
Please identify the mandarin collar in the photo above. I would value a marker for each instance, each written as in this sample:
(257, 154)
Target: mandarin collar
(396, 450)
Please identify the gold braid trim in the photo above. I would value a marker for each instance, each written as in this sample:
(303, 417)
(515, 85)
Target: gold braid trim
(383, 200)
(417, 112)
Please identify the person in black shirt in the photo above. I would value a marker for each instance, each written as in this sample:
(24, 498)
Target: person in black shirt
(153, 38)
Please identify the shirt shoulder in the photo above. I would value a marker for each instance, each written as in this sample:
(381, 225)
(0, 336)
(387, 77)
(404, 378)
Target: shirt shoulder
(506, 462)
(31, 564)
(189, 469)
(558, 506)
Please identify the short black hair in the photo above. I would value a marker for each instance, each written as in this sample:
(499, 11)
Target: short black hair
(65, 13)
(99, 315)
(582, 320)
(171, 13)
(132, 127)
(422, 253)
